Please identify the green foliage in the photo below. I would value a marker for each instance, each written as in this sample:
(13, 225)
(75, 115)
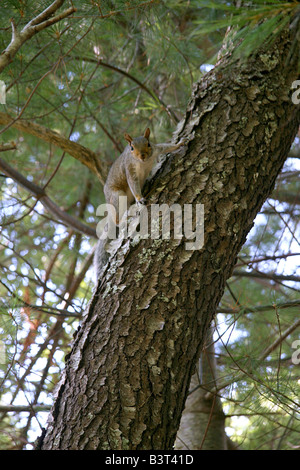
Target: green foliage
(262, 383)
(255, 25)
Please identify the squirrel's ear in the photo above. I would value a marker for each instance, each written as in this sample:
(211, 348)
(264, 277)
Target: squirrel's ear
(128, 138)
(147, 133)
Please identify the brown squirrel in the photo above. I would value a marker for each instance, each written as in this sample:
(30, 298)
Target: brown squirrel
(126, 177)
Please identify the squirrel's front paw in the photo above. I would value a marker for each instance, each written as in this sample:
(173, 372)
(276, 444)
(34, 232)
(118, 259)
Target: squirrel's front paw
(142, 200)
(183, 142)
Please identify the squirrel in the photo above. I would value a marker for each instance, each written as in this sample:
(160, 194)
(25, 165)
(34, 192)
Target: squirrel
(126, 177)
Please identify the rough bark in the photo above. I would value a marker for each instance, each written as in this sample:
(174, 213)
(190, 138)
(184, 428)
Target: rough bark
(128, 373)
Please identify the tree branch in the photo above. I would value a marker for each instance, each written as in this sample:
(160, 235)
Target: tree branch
(259, 308)
(24, 408)
(4, 147)
(286, 196)
(271, 276)
(86, 156)
(151, 93)
(245, 261)
(279, 340)
(41, 195)
(37, 24)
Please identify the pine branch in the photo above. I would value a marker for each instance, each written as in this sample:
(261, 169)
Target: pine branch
(86, 156)
(41, 195)
(286, 196)
(245, 260)
(4, 147)
(272, 276)
(279, 340)
(24, 408)
(260, 308)
(37, 24)
(150, 92)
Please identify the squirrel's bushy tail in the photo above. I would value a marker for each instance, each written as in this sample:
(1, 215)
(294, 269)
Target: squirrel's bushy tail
(100, 258)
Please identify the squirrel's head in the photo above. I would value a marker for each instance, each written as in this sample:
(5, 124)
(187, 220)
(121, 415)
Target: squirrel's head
(140, 147)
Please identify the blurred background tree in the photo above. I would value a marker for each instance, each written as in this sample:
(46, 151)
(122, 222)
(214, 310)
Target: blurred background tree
(72, 90)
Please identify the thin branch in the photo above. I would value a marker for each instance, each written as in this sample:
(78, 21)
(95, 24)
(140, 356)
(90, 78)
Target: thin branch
(41, 195)
(279, 340)
(24, 408)
(11, 123)
(271, 276)
(109, 135)
(285, 196)
(4, 147)
(86, 156)
(37, 24)
(120, 12)
(294, 152)
(50, 10)
(59, 312)
(259, 308)
(51, 21)
(252, 261)
(135, 80)
(37, 281)
(288, 175)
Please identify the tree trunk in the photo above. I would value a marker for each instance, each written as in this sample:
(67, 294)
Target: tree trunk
(202, 425)
(128, 373)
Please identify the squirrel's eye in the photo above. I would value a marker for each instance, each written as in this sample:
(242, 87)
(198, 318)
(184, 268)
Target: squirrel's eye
(149, 145)
(131, 148)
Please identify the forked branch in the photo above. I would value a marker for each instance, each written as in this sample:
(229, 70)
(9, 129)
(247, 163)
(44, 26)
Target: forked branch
(40, 22)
